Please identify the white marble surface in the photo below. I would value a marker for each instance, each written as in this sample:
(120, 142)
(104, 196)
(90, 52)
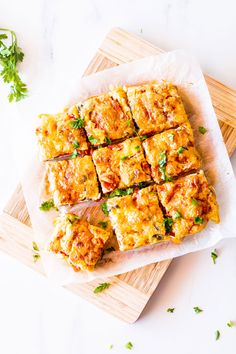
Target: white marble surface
(59, 38)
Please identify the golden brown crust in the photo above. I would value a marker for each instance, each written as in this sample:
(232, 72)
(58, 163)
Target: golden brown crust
(107, 116)
(72, 181)
(191, 202)
(156, 107)
(121, 165)
(80, 243)
(57, 137)
(176, 147)
(137, 219)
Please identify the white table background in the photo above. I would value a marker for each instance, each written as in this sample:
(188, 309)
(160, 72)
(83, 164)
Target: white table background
(59, 38)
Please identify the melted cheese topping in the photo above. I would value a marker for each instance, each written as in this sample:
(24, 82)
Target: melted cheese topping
(72, 181)
(186, 199)
(56, 136)
(80, 243)
(156, 107)
(177, 145)
(107, 116)
(137, 219)
(121, 165)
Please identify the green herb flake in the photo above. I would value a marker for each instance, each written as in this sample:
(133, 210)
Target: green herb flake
(111, 346)
(230, 324)
(103, 224)
(124, 158)
(178, 215)
(214, 256)
(171, 137)
(74, 154)
(121, 192)
(181, 149)
(47, 205)
(198, 220)
(10, 56)
(128, 122)
(75, 144)
(168, 223)
(170, 309)
(101, 287)
(197, 309)
(129, 345)
(104, 208)
(36, 255)
(162, 161)
(108, 140)
(35, 246)
(194, 201)
(143, 137)
(77, 123)
(217, 335)
(202, 130)
(92, 140)
(138, 147)
(142, 184)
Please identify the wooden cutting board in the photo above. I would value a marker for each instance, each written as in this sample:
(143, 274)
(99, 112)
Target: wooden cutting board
(130, 292)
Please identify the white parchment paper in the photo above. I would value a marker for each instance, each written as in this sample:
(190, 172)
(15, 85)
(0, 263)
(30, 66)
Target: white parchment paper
(182, 70)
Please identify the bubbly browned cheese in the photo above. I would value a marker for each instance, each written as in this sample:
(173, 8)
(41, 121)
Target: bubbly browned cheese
(107, 116)
(57, 137)
(72, 181)
(172, 153)
(156, 107)
(80, 243)
(121, 165)
(137, 219)
(191, 202)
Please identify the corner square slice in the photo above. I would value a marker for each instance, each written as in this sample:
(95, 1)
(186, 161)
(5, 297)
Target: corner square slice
(189, 203)
(80, 243)
(121, 165)
(72, 181)
(172, 153)
(57, 135)
(107, 117)
(156, 107)
(137, 219)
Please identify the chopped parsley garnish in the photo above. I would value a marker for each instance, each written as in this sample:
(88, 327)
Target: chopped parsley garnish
(217, 335)
(178, 215)
(171, 136)
(101, 287)
(47, 205)
(36, 255)
(104, 208)
(124, 158)
(75, 144)
(129, 345)
(143, 137)
(194, 201)
(230, 324)
(162, 166)
(142, 184)
(74, 154)
(138, 147)
(202, 130)
(168, 223)
(214, 255)
(35, 246)
(10, 56)
(103, 224)
(121, 192)
(181, 149)
(72, 219)
(92, 140)
(77, 123)
(108, 140)
(170, 309)
(162, 161)
(198, 220)
(197, 309)
(128, 122)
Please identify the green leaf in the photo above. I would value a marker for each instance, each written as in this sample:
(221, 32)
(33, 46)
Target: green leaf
(108, 140)
(36, 257)
(77, 123)
(47, 205)
(101, 287)
(129, 345)
(104, 208)
(35, 246)
(214, 256)
(143, 184)
(162, 161)
(194, 201)
(217, 335)
(128, 122)
(178, 215)
(143, 137)
(92, 140)
(124, 158)
(230, 324)
(168, 223)
(103, 224)
(197, 309)
(198, 220)
(170, 309)
(121, 192)
(202, 130)
(138, 147)
(181, 149)
(75, 144)
(74, 154)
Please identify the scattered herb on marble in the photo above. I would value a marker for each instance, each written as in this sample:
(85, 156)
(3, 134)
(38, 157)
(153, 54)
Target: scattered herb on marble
(129, 345)
(101, 287)
(103, 224)
(77, 123)
(214, 256)
(197, 309)
(230, 324)
(217, 335)
(10, 56)
(47, 205)
(170, 309)
(36, 254)
(202, 130)
(104, 208)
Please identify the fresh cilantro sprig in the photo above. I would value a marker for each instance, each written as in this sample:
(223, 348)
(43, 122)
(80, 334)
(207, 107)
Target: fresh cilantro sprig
(10, 56)
(47, 205)
(101, 287)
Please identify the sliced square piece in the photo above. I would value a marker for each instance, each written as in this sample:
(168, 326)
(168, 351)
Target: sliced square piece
(61, 134)
(81, 243)
(121, 165)
(107, 117)
(189, 203)
(172, 153)
(137, 219)
(156, 107)
(72, 181)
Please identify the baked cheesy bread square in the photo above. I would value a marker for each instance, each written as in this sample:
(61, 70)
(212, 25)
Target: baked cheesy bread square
(72, 181)
(61, 134)
(172, 153)
(189, 203)
(81, 243)
(121, 165)
(137, 219)
(107, 117)
(156, 107)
